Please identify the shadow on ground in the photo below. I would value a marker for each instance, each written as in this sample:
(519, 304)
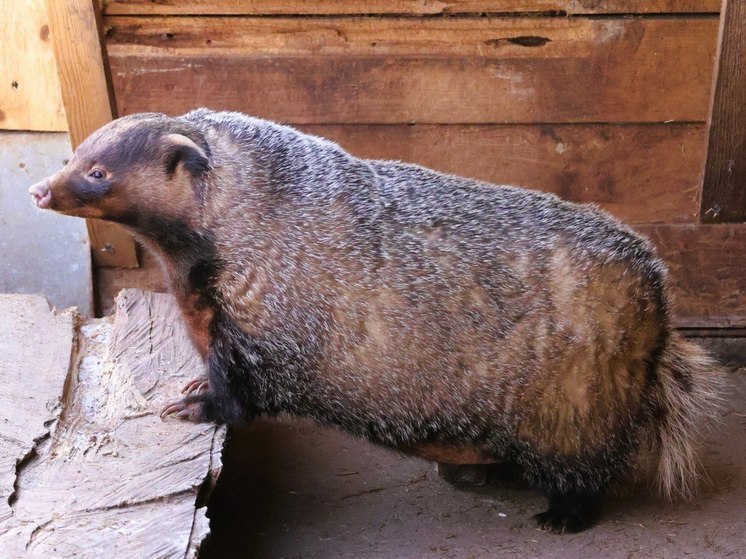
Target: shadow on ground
(294, 490)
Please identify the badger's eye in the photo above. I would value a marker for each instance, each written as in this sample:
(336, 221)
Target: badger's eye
(96, 174)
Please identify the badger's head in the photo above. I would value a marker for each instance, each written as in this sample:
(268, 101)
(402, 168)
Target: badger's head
(136, 165)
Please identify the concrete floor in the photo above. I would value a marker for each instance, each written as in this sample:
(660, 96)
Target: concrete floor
(291, 490)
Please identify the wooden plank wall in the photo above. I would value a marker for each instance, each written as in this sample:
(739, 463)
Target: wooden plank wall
(603, 102)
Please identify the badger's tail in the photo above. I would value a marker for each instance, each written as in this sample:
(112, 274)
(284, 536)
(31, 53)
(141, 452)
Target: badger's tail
(689, 395)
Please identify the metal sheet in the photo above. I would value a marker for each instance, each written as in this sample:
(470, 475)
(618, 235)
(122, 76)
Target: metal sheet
(40, 252)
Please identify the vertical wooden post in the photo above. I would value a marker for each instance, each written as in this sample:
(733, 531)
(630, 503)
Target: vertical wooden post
(75, 27)
(724, 184)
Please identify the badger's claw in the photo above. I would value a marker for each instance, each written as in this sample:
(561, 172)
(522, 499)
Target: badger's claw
(187, 409)
(196, 386)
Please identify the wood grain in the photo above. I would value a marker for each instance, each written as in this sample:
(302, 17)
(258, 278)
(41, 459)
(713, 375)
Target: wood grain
(30, 97)
(88, 100)
(418, 7)
(401, 70)
(35, 349)
(640, 173)
(724, 186)
(110, 473)
(706, 272)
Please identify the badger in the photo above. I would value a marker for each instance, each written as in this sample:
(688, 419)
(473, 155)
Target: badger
(448, 318)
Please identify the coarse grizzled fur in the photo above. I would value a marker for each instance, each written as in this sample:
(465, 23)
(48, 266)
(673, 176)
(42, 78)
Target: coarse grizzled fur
(452, 319)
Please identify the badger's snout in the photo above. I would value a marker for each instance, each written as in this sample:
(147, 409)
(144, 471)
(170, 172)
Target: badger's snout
(41, 194)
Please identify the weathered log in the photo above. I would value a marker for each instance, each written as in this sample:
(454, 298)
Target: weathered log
(86, 464)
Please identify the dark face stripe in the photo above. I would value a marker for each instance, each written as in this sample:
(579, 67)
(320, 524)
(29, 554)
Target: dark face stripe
(87, 190)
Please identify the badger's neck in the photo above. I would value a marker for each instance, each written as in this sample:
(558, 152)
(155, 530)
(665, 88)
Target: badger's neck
(181, 249)
(174, 237)
(189, 263)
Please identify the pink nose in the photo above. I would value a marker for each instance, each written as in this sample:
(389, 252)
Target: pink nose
(41, 194)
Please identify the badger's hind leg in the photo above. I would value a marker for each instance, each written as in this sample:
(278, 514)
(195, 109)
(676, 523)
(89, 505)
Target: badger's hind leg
(463, 474)
(575, 485)
(569, 512)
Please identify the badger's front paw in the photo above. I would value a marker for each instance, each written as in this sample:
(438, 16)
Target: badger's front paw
(190, 408)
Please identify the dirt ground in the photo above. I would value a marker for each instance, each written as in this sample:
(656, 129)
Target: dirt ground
(292, 490)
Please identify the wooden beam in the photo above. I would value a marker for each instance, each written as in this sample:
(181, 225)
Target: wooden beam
(405, 7)
(89, 104)
(724, 185)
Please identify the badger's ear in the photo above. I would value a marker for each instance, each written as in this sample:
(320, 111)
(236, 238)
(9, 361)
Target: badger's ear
(180, 149)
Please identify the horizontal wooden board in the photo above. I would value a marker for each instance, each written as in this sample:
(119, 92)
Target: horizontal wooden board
(705, 261)
(418, 7)
(399, 70)
(640, 173)
(30, 97)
